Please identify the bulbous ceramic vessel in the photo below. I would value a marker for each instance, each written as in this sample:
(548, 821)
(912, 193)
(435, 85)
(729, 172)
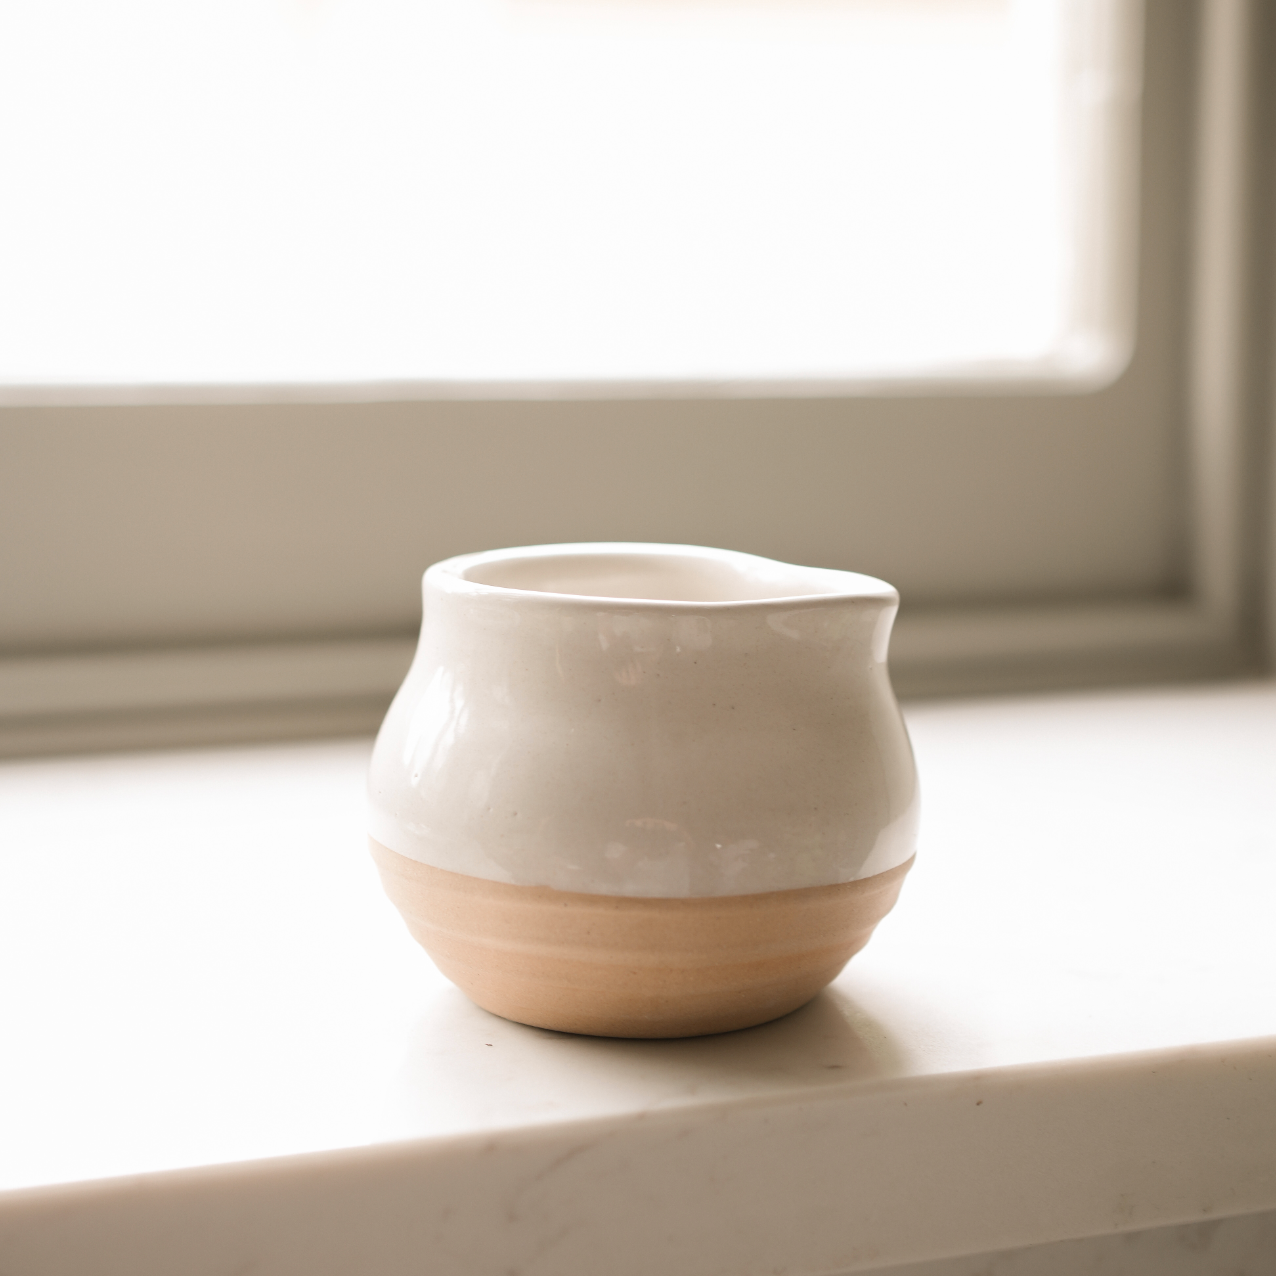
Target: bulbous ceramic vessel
(644, 790)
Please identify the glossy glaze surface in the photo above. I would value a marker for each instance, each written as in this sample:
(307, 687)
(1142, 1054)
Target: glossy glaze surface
(646, 720)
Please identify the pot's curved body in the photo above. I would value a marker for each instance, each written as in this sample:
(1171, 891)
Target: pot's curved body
(698, 750)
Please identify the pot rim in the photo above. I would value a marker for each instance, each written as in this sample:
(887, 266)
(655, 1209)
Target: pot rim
(826, 586)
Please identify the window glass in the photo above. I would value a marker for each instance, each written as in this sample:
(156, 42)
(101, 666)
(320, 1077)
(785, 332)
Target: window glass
(328, 191)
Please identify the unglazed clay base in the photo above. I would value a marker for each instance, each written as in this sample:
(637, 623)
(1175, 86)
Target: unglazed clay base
(622, 966)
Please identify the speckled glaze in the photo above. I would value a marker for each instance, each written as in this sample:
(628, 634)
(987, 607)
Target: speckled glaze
(647, 721)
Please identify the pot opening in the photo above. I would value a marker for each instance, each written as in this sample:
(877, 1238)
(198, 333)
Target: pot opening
(672, 576)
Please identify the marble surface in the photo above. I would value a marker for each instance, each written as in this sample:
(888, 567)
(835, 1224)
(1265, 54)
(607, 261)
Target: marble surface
(1244, 1245)
(222, 1052)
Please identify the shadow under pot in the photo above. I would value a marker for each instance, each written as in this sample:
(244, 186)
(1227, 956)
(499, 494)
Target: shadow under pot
(644, 790)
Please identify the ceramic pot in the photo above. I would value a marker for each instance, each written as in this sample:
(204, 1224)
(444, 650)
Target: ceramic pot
(644, 790)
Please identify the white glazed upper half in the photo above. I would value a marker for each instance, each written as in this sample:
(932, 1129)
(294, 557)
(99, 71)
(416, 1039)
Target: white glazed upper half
(648, 720)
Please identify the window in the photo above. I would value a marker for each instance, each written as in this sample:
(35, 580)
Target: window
(252, 556)
(567, 191)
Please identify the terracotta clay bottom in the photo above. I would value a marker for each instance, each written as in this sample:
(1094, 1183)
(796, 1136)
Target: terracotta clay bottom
(623, 966)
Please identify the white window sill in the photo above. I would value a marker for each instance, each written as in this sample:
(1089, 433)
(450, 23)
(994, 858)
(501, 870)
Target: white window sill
(223, 1051)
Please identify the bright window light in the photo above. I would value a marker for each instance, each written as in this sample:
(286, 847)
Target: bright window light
(522, 192)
